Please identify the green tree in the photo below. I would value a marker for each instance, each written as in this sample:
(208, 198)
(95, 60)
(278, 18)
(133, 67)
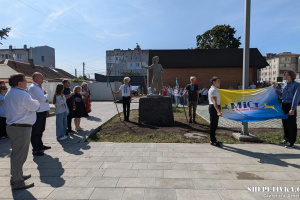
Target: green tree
(219, 37)
(4, 33)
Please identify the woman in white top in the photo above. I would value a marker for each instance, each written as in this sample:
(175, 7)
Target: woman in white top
(214, 110)
(61, 112)
(126, 97)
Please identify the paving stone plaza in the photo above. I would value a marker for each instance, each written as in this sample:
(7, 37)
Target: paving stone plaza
(74, 169)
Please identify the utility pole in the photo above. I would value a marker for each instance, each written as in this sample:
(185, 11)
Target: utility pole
(83, 65)
(76, 73)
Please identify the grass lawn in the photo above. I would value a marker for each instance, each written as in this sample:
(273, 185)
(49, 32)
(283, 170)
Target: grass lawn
(119, 131)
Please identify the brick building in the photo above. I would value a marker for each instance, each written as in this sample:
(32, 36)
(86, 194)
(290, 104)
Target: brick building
(227, 64)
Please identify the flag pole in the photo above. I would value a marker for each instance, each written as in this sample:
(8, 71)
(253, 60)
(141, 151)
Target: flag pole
(114, 98)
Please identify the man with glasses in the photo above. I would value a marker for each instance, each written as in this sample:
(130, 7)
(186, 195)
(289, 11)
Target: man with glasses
(20, 110)
(290, 96)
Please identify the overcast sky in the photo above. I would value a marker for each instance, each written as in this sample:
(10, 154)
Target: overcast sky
(82, 30)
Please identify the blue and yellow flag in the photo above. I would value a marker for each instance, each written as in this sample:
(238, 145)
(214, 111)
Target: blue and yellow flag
(251, 105)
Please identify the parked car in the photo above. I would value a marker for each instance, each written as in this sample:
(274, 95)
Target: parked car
(136, 90)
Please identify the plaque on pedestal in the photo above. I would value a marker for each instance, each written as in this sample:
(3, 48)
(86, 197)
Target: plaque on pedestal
(156, 110)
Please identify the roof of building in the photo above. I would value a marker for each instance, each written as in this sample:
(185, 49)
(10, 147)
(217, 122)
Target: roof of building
(28, 69)
(193, 58)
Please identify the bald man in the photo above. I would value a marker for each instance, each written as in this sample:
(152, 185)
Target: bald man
(38, 92)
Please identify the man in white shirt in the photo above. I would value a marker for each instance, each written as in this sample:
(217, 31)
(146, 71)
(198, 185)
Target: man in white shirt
(20, 111)
(37, 92)
(126, 97)
(214, 110)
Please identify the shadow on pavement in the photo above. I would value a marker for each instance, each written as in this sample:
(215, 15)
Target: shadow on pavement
(5, 147)
(50, 170)
(93, 118)
(273, 159)
(22, 194)
(76, 144)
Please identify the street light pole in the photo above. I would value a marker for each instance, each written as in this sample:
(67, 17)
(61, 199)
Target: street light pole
(246, 56)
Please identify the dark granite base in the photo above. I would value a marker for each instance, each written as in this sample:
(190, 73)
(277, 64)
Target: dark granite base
(156, 111)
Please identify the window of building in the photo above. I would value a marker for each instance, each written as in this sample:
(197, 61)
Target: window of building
(117, 58)
(123, 65)
(42, 58)
(131, 58)
(274, 78)
(6, 56)
(137, 65)
(137, 58)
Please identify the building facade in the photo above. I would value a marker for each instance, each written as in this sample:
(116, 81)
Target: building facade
(126, 62)
(227, 64)
(42, 55)
(278, 64)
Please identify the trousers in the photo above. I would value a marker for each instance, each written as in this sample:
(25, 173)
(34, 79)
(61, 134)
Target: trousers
(214, 120)
(192, 105)
(126, 107)
(289, 124)
(37, 131)
(20, 141)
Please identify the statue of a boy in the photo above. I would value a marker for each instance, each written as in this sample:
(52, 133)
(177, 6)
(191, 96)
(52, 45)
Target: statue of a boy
(157, 73)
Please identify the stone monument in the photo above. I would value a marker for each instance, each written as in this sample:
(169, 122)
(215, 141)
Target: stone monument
(156, 109)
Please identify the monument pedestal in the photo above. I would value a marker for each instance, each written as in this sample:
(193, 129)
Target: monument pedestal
(156, 110)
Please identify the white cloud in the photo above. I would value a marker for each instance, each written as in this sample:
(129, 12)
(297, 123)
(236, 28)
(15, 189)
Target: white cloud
(106, 34)
(50, 23)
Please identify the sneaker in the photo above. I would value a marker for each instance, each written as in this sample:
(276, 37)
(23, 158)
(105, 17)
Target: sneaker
(216, 144)
(283, 142)
(191, 121)
(25, 177)
(63, 138)
(289, 145)
(194, 121)
(21, 185)
(46, 147)
(37, 153)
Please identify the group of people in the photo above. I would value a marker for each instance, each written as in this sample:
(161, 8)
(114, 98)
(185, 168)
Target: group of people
(176, 92)
(23, 113)
(288, 94)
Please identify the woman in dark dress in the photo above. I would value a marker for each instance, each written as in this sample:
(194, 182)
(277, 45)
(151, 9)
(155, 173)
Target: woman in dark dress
(79, 107)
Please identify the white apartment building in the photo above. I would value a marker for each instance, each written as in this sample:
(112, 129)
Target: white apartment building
(41, 55)
(126, 62)
(278, 64)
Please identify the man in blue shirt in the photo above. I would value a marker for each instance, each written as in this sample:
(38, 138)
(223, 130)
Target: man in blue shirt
(290, 96)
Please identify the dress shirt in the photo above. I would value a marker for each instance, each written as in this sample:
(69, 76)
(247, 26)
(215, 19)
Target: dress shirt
(20, 107)
(213, 92)
(37, 93)
(2, 109)
(125, 89)
(290, 93)
(61, 104)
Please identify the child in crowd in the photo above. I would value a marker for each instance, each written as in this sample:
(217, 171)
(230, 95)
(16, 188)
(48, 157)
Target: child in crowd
(79, 107)
(3, 133)
(61, 112)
